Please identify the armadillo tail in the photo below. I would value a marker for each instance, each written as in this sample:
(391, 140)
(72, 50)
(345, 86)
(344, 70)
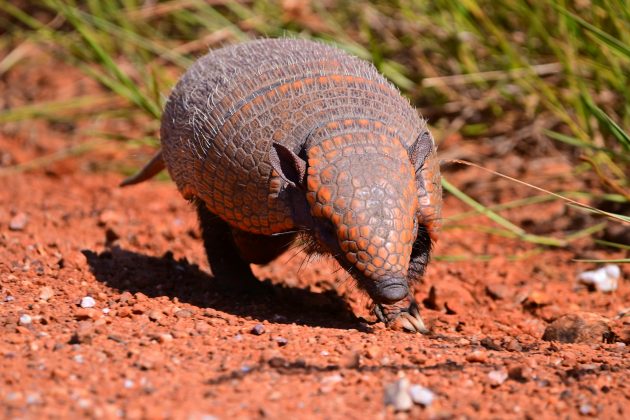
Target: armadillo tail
(151, 169)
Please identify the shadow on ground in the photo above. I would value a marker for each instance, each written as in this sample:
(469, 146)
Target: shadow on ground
(164, 276)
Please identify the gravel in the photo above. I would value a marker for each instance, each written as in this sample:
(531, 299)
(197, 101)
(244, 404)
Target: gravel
(258, 329)
(579, 327)
(605, 279)
(282, 341)
(25, 319)
(183, 313)
(46, 293)
(155, 315)
(477, 356)
(18, 222)
(497, 377)
(397, 395)
(88, 302)
(421, 395)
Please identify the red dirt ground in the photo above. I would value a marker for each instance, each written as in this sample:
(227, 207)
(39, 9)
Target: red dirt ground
(164, 340)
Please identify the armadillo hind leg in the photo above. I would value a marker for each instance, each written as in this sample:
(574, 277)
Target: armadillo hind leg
(261, 249)
(223, 255)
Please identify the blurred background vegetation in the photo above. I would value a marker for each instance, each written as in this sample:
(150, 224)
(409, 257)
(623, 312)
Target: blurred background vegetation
(525, 78)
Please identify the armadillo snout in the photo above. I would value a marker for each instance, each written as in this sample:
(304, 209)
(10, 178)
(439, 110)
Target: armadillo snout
(389, 290)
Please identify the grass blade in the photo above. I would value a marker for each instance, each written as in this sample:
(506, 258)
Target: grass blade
(509, 226)
(602, 36)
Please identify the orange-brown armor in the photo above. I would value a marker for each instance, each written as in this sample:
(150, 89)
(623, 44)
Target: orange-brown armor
(277, 137)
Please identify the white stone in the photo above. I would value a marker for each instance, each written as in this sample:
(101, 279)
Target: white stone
(497, 377)
(397, 395)
(88, 302)
(605, 279)
(421, 395)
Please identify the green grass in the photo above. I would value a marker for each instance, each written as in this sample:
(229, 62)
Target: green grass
(557, 61)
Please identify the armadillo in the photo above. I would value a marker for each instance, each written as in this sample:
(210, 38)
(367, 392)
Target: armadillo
(281, 139)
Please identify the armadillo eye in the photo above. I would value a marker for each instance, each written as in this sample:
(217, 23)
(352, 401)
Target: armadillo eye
(326, 225)
(326, 233)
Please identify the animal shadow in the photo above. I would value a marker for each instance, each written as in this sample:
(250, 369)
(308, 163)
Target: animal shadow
(164, 276)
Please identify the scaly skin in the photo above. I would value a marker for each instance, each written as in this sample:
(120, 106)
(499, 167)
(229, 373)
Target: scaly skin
(371, 193)
(373, 215)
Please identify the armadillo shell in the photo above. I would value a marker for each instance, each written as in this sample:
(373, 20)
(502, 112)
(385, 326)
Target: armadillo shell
(231, 104)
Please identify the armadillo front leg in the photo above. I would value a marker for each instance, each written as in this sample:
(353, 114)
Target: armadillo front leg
(403, 315)
(223, 255)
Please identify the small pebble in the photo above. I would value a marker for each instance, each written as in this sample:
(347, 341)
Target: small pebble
(83, 334)
(84, 403)
(33, 398)
(579, 327)
(155, 315)
(397, 395)
(46, 293)
(165, 338)
(106, 310)
(13, 396)
(351, 359)
(514, 345)
(282, 341)
(497, 291)
(128, 383)
(258, 329)
(138, 309)
(9, 299)
(124, 312)
(88, 302)
(183, 313)
(463, 342)
(497, 377)
(605, 279)
(332, 379)
(421, 395)
(518, 373)
(477, 356)
(18, 222)
(25, 319)
(538, 299)
(586, 409)
(86, 313)
(149, 359)
(373, 352)
(108, 217)
(328, 383)
(274, 396)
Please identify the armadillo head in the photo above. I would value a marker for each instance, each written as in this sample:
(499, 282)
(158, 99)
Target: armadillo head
(362, 195)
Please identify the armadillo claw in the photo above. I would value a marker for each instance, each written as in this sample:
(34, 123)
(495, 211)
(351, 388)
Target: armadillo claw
(401, 316)
(410, 323)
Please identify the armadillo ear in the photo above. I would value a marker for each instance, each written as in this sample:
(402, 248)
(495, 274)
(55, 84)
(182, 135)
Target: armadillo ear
(420, 149)
(288, 165)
